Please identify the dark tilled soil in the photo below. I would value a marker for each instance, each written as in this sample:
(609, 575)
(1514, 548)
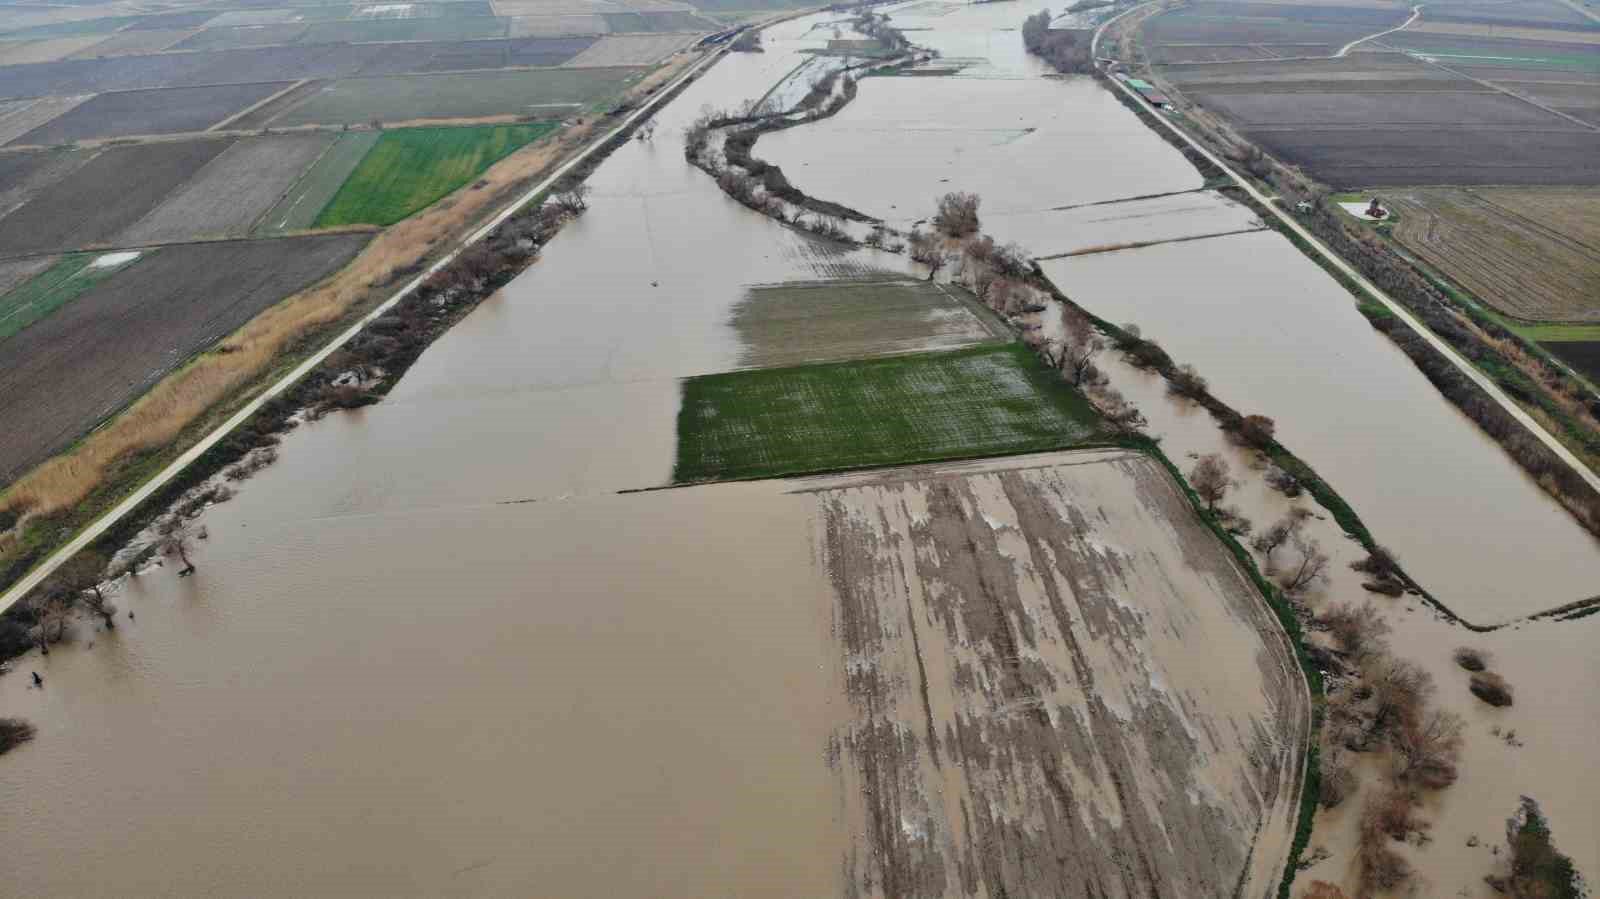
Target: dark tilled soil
(86, 76)
(1583, 355)
(66, 373)
(1438, 155)
(170, 111)
(24, 174)
(105, 195)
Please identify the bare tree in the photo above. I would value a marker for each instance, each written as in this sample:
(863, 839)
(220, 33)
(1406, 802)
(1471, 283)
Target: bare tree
(52, 605)
(1186, 381)
(1255, 431)
(1427, 747)
(1400, 690)
(1311, 565)
(1357, 629)
(1211, 480)
(177, 539)
(1078, 351)
(572, 196)
(958, 214)
(1116, 409)
(82, 575)
(928, 249)
(1280, 532)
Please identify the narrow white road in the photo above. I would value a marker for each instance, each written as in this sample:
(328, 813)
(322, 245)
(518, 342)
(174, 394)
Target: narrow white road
(1372, 290)
(93, 531)
(1416, 11)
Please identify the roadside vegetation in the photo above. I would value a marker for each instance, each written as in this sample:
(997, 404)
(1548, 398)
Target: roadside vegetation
(411, 168)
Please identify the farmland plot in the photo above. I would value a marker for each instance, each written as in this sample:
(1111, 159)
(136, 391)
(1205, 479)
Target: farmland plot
(555, 26)
(171, 111)
(21, 52)
(1534, 254)
(549, 93)
(128, 42)
(22, 175)
(408, 170)
(225, 198)
(103, 196)
(23, 116)
(630, 50)
(1031, 715)
(659, 21)
(303, 202)
(60, 284)
(828, 321)
(244, 36)
(73, 368)
(895, 410)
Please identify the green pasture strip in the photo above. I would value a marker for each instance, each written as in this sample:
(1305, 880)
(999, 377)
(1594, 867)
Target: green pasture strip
(410, 169)
(981, 401)
(1555, 333)
(51, 289)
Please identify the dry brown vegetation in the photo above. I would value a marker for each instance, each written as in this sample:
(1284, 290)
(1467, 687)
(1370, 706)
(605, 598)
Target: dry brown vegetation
(158, 418)
(1534, 253)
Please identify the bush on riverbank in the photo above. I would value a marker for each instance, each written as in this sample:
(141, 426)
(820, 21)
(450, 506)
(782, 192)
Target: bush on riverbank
(13, 733)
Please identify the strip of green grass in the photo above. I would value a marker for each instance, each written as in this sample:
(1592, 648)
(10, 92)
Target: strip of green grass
(51, 289)
(982, 401)
(410, 169)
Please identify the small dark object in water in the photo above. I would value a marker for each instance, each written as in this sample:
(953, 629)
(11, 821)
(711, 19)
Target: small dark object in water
(37, 680)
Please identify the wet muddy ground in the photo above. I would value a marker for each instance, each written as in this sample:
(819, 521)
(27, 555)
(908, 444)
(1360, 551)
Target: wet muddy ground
(1029, 714)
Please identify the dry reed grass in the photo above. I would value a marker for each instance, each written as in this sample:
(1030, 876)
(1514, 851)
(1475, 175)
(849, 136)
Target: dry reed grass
(180, 399)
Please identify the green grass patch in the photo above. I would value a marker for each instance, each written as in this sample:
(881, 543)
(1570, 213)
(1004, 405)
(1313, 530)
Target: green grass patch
(983, 401)
(1555, 333)
(299, 208)
(410, 169)
(51, 289)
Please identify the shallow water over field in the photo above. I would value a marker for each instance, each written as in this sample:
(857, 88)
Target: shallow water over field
(1274, 335)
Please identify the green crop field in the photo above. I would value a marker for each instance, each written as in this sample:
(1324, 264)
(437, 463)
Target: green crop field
(408, 170)
(51, 289)
(981, 401)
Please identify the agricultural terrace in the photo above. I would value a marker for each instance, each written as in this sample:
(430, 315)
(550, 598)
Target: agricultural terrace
(1532, 253)
(409, 169)
(980, 401)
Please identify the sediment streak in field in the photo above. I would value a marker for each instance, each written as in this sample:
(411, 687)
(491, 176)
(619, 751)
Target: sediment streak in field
(1061, 685)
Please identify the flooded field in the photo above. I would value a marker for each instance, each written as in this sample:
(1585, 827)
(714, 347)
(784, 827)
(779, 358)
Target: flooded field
(1356, 409)
(435, 651)
(1030, 716)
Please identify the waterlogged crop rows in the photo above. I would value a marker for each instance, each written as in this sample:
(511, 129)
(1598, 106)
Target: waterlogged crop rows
(830, 321)
(963, 403)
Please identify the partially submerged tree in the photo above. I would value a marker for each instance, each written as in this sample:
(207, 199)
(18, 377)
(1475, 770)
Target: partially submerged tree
(927, 249)
(1427, 746)
(82, 575)
(958, 214)
(1280, 532)
(1211, 480)
(1081, 344)
(1356, 629)
(13, 733)
(1310, 565)
(1255, 431)
(177, 538)
(1400, 690)
(572, 195)
(1491, 688)
(1186, 381)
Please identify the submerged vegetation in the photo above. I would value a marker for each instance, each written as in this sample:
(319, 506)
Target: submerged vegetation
(1068, 51)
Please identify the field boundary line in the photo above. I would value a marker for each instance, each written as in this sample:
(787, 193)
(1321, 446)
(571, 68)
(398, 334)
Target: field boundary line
(1482, 380)
(294, 86)
(89, 534)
